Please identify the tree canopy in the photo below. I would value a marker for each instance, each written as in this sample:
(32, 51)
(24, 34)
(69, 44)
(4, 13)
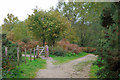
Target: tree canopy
(48, 26)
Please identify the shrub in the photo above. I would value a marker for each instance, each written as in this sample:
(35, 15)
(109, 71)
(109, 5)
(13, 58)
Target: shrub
(71, 54)
(74, 47)
(9, 62)
(25, 40)
(28, 45)
(50, 50)
(89, 49)
(69, 47)
(58, 51)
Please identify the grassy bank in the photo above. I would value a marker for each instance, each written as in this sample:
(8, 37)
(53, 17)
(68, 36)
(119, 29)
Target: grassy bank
(29, 69)
(64, 59)
(93, 71)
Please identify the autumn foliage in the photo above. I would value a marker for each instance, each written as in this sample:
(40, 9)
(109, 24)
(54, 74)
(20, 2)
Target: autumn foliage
(28, 45)
(74, 47)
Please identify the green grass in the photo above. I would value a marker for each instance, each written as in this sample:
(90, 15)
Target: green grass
(29, 69)
(93, 71)
(81, 65)
(61, 59)
(28, 53)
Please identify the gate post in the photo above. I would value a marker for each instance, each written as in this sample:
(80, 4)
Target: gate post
(46, 51)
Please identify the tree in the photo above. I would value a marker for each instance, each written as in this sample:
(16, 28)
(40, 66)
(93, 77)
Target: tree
(84, 16)
(9, 23)
(0, 29)
(48, 26)
(20, 31)
(109, 50)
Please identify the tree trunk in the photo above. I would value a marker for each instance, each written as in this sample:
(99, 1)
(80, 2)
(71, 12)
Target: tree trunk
(53, 43)
(43, 42)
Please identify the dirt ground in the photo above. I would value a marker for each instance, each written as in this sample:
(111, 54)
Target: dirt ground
(66, 70)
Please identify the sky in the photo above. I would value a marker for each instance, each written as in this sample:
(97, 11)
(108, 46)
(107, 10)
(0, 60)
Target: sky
(21, 8)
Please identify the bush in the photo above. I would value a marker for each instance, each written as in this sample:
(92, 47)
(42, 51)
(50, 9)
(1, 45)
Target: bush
(9, 62)
(71, 54)
(89, 49)
(28, 45)
(58, 51)
(69, 47)
(25, 40)
(50, 50)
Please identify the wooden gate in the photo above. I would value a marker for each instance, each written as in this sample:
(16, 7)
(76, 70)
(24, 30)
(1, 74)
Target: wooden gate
(40, 50)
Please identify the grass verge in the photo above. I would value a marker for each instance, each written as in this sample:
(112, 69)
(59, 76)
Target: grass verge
(29, 69)
(93, 71)
(61, 59)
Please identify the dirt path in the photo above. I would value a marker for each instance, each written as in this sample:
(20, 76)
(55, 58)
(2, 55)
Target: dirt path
(66, 70)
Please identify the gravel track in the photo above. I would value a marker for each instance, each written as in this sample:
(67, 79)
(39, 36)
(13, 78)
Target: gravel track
(65, 70)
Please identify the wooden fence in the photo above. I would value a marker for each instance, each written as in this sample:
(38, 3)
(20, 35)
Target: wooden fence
(38, 50)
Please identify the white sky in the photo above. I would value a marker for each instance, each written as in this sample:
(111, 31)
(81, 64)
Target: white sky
(21, 8)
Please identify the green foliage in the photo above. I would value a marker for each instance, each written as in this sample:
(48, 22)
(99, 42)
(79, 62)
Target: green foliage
(58, 51)
(108, 46)
(71, 54)
(29, 69)
(14, 29)
(25, 40)
(50, 50)
(84, 18)
(93, 71)
(48, 26)
(9, 62)
(9, 23)
(72, 35)
(20, 31)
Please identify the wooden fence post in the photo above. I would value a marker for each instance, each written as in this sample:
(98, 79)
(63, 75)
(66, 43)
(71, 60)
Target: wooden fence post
(6, 50)
(37, 51)
(30, 55)
(25, 55)
(18, 55)
(34, 53)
